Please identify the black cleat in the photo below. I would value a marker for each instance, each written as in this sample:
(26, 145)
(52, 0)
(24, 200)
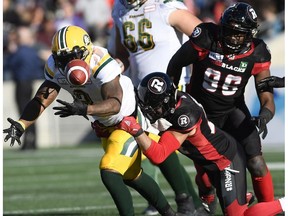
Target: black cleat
(209, 200)
(201, 211)
(185, 204)
(150, 210)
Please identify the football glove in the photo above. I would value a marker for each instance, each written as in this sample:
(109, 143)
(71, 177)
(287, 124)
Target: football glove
(261, 121)
(270, 82)
(75, 108)
(130, 125)
(14, 132)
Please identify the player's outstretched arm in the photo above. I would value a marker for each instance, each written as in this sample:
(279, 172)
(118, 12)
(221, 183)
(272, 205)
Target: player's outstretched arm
(156, 152)
(45, 95)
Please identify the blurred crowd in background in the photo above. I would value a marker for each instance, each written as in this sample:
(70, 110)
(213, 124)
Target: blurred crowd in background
(29, 25)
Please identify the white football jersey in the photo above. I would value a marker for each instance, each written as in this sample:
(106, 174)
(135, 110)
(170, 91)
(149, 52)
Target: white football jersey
(103, 68)
(149, 38)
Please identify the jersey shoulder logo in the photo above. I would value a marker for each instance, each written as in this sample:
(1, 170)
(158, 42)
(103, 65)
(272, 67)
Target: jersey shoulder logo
(183, 120)
(197, 31)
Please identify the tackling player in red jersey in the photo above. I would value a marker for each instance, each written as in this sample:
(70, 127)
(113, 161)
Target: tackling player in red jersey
(189, 131)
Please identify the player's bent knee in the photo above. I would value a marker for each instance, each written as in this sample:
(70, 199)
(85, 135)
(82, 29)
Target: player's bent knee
(257, 166)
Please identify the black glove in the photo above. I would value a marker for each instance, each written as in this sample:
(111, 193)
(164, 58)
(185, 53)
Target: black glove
(14, 132)
(75, 108)
(270, 82)
(261, 121)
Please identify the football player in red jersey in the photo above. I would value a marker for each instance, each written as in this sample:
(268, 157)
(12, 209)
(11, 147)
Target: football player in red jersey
(224, 58)
(189, 131)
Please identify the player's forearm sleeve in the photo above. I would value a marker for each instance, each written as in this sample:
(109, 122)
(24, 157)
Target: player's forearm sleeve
(158, 152)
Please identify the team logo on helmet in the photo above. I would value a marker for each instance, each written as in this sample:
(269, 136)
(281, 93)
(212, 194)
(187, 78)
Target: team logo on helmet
(86, 39)
(197, 31)
(157, 85)
(252, 14)
(183, 120)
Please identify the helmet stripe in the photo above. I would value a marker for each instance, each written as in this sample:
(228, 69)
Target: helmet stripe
(62, 38)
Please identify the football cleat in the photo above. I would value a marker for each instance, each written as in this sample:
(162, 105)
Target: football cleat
(209, 200)
(150, 210)
(185, 204)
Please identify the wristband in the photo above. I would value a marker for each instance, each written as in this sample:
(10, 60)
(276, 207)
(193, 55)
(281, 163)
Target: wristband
(139, 132)
(266, 113)
(22, 124)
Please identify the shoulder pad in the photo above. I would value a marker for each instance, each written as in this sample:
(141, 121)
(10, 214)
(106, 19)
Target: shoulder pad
(186, 116)
(50, 69)
(204, 35)
(175, 3)
(261, 51)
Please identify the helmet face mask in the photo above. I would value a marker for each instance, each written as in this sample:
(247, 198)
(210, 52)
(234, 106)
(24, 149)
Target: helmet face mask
(71, 42)
(157, 96)
(238, 27)
(235, 40)
(64, 57)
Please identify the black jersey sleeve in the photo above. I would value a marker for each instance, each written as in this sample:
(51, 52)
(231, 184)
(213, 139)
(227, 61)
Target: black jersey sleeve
(184, 56)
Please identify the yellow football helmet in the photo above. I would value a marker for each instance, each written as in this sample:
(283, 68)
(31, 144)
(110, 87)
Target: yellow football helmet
(71, 42)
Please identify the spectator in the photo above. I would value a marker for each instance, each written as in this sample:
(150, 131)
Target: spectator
(97, 15)
(65, 15)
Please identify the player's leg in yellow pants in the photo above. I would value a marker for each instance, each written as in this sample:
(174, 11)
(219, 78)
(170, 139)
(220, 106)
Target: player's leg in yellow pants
(121, 166)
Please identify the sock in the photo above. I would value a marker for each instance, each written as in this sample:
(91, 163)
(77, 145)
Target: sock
(150, 190)
(119, 192)
(171, 170)
(190, 187)
(150, 169)
(264, 208)
(263, 187)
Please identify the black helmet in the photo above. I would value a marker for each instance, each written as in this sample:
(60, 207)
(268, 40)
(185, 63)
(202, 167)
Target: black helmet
(238, 27)
(156, 91)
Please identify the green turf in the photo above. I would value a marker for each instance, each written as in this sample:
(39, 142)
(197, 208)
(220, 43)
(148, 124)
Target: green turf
(66, 181)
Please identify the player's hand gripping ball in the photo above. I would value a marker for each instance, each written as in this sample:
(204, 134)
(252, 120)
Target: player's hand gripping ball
(77, 72)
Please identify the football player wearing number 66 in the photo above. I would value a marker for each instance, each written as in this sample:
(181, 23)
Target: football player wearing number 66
(146, 33)
(107, 96)
(224, 58)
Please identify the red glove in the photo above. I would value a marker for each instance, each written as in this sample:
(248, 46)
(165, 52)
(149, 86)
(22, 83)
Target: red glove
(130, 125)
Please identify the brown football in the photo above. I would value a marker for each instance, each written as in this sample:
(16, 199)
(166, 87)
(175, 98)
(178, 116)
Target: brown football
(77, 72)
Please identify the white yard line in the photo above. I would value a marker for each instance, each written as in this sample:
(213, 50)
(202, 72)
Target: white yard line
(191, 169)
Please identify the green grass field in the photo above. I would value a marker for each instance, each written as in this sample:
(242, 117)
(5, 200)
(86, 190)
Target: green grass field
(66, 181)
